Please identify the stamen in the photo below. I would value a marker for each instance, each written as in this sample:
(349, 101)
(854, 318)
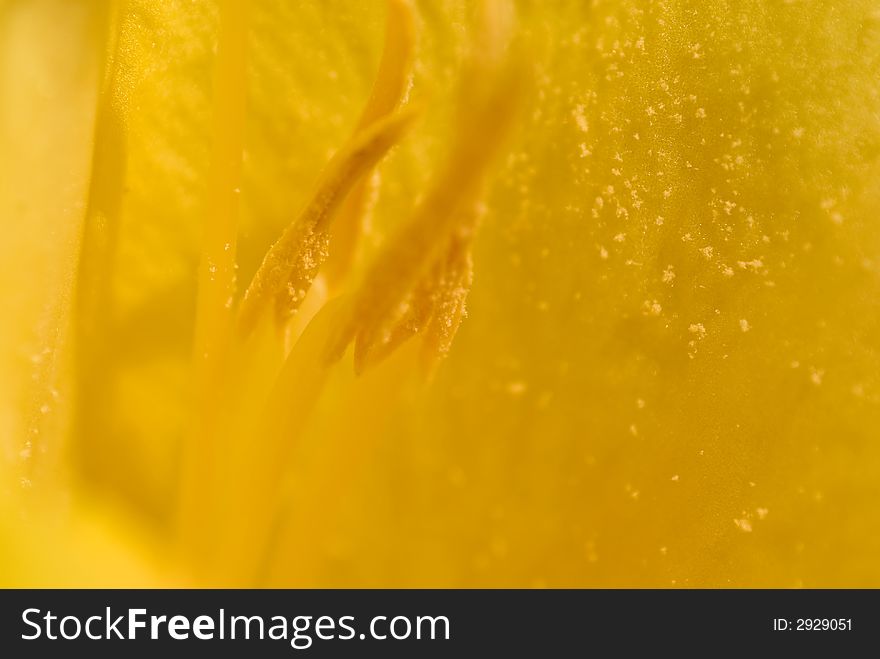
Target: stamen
(435, 307)
(216, 281)
(449, 311)
(392, 82)
(409, 257)
(294, 259)
(344, 189)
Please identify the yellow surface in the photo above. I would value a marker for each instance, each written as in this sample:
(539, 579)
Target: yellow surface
(668, 374)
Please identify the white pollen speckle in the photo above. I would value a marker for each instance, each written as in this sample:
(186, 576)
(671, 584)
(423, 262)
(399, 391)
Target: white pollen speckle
(698, 329)
(753, 265)
(744, 325)
(580, 118)
(744, 525)
(652, 308)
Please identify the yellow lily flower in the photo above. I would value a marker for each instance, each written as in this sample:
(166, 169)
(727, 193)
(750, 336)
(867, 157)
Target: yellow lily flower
(439, 293)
